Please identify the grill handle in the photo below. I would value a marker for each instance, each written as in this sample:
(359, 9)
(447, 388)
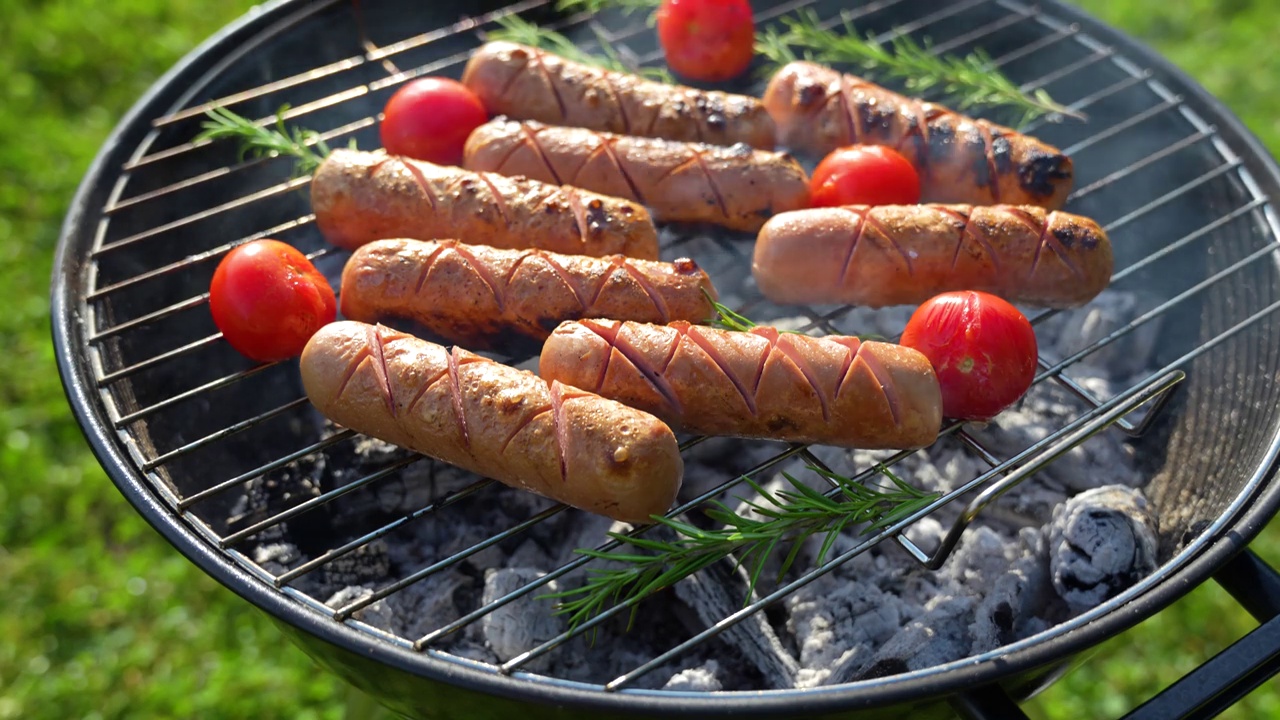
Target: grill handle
(1209, 689)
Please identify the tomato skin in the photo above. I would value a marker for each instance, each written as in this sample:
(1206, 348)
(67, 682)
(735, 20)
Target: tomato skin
(982, 348)
(268, 300)
(430, 119)
(864, 175)
(707, 40)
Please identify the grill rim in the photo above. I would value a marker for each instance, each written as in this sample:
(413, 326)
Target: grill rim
(1227, 536)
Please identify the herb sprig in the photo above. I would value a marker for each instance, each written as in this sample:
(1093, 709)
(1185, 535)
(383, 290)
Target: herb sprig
(971, 81)
(306, 147)
(518, 30)
(596, 6)
(787, 517)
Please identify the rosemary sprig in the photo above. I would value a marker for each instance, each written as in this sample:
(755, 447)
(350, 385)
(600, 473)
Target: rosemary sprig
(518, 30)
(305, 146)
(596, 6)
(726, 319)
(788, 517)
(972, 81)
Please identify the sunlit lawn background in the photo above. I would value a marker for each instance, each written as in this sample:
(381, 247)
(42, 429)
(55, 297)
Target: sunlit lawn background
(101, 618)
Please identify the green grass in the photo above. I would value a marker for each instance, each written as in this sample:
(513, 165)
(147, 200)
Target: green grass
(102, 618)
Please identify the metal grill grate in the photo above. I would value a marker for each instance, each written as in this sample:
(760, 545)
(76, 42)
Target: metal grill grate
(177, 207)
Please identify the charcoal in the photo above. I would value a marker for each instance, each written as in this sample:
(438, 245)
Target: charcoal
(521, 624)
(1101, 542)
(938, 636)
(698, 679)
(716, 592)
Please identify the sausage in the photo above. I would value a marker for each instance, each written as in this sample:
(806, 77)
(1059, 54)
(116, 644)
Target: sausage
(761, 383)
(531, 84)
(481, 296)
(905, 254)
(361, 196)
(494, 420)
(960, 159)
(735, 187)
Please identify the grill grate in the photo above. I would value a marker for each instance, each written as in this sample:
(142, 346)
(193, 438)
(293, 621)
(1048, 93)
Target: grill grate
(140, 278)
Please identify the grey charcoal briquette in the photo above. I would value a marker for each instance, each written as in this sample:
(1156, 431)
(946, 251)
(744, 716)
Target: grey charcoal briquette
(1101, 542)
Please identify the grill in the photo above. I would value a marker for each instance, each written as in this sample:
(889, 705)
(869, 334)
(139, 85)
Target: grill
(186, 427)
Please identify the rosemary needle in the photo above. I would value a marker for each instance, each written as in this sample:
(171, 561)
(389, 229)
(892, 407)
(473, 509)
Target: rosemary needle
(972, 81)
(258, 141)
(787, 517)
(596, 6)
(518, 30)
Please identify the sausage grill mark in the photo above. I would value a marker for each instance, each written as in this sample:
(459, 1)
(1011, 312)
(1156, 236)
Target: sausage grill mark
(531, 139)
(579, 212)
(426, 268)
(884, 232)
(967, 230)
(426, 386)
(656, 298)
(379, 362)
(529, 417)
(617, 102)
(792, 353)
(560, 427)
(537, 60)
(498, 200)
(988, 154)
(607, 145)
(1047, 240)
(637, 361)
(416, 173)
(455, 394)
(886, 386)
(853, 244)
(711, 181)
(686, 331)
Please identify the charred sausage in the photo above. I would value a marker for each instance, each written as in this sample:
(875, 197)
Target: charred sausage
(735, 187)
(894, 255)
(480, 296)
(960, 159)
(761, 383)
(531, 84)
(360, 196)
(497, 421)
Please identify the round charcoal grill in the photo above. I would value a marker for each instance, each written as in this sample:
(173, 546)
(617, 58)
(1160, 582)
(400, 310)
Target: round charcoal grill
(186, 427)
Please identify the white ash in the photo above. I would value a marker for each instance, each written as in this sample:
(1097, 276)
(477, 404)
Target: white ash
(1046, 551)
(1103, 540)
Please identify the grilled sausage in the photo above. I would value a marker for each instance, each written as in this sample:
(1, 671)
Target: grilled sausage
(960, 160)
(735, 187)
(497, 421)
(531, 84)
(761, 383)
(894, 255)
(360, 196)
(480, 296)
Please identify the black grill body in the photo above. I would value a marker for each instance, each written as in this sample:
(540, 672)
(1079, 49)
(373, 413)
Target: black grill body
(182, 423)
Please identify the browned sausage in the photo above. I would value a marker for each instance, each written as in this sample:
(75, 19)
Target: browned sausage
(360, 196)
(494, 420)
(735, 187)
(761, 383)
(905, 254)
(481, 296)
(531, 84)
(960, 159)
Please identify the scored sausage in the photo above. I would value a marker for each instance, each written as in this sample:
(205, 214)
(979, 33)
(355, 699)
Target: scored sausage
(960, 159)
(735, 187)
(359, 197)
(494, 420)
(481, 296)
(531, 84)
(906, 254)
(760, 383)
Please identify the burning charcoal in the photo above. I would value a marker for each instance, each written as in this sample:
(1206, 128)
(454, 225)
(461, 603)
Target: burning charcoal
(1072, 331)
(1007, 612)
(376, 614)
(427, 604)
(365, 564)
(269, 495)
(698, 679)
(276, 558)
(1101, 542)
(838, 621)
(521, 624)
(938, 636)
(715, 593)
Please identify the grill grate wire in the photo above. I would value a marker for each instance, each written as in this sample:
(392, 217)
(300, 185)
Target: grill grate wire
(1002, 474)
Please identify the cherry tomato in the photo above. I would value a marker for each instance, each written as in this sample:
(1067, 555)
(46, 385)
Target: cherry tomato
(430, 119)
(268, 300)
(707, 40)
(982, 348)
(864, 175)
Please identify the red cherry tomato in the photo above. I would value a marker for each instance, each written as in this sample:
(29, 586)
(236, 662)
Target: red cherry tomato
(430, 119)
(982, 348)
(864, 175)
(707, 40)
(268, 300)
